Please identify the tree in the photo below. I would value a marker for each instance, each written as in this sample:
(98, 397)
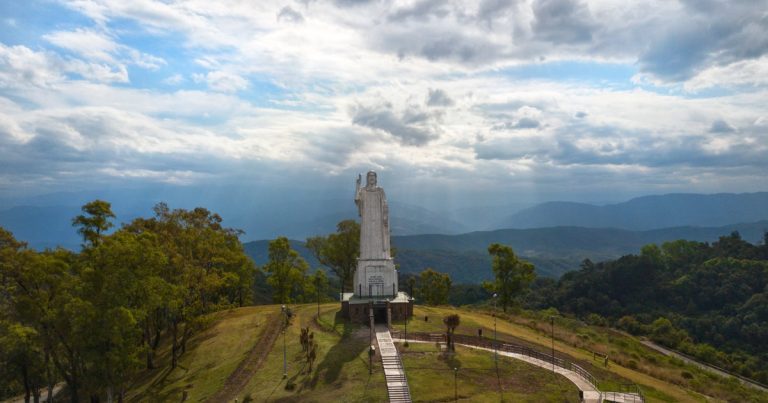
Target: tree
(286, 269)
(451, 322)
(512, 275)
(94, 222)
(320, 283)
(411, 282)
(434, 287)
(339, 251)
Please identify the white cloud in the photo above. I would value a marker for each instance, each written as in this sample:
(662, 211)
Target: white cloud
(222, 81)
(424, 90)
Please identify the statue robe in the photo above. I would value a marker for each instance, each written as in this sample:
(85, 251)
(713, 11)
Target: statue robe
(374, 228)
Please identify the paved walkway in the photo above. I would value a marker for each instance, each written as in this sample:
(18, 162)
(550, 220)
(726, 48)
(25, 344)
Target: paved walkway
(397, 383)
(589, 391)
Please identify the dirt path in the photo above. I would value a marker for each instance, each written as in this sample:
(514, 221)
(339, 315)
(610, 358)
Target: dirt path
(239, 378)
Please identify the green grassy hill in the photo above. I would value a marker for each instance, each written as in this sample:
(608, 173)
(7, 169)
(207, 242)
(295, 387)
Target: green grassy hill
(340, 372)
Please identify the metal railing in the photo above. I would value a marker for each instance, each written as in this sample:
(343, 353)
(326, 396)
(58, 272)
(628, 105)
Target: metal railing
(629, 392)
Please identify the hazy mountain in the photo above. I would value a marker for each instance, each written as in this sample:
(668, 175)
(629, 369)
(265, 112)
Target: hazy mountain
(553, 251)
(45, 221)
(647, 212)
(49, 225)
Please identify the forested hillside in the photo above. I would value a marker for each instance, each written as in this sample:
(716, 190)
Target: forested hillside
(95, 318)
(553, 251)
(686, 295)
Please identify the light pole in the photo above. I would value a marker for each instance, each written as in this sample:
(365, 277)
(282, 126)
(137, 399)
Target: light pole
(552, 325)
(285, 355)
(495, 353)
(406, 320)
(455, 388)
(370, 340)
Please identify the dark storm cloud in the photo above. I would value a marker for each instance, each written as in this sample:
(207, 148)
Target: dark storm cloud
(490, 9)
(84, 142)
(711, 33)
(419, 11)
(721, 126)
(353, 3)
(605, 145)
(438, 97)
(522, 123)
(460, 48)
(290, 15)
(383, 118)
(562, 21)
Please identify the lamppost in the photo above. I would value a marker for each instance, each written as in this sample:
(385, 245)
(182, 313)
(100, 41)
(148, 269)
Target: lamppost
(285, 355)
(455, 388)
(410, 302)
(370, 340)
(495, 353)
(552, 325)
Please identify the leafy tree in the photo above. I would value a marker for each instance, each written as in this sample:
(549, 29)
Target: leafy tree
(512, 275)
(286, 269)
(434, 287)
(451, 322)
(411, 282)
(21, 354)
(339, 251)
(94, 222)
(319, 282)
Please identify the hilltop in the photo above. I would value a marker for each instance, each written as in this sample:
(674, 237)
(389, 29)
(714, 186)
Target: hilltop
(341, 369)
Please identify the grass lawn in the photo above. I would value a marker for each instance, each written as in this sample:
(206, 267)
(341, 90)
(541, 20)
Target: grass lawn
(661, 378)
(340, 373)
(211, 356)
(431, 377)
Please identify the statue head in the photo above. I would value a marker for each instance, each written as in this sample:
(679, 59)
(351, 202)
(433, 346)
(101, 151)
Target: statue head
(370, 180)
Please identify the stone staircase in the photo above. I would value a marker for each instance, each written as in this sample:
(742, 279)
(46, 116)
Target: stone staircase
(397, 383)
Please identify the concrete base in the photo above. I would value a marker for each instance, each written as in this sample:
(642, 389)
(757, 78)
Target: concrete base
(385, 311)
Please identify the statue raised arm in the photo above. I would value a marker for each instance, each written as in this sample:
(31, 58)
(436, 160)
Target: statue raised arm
(358, 200)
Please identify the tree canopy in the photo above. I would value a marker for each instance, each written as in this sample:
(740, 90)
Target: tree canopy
(339, 251)
(512, 275)
(96, 317)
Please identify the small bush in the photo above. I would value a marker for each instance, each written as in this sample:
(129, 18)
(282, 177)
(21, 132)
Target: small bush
(686, 375)
(632, 364)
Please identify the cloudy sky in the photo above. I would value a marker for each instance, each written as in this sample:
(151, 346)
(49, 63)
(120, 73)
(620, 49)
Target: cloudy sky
(466, 101)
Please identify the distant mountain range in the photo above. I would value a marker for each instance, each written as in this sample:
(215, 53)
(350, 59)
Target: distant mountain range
(649, 212)
(45, 221)
(553, 251)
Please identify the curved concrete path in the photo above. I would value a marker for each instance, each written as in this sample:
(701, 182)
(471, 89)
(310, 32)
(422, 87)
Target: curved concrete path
(590, 392)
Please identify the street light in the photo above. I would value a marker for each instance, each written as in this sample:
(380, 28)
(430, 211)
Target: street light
(552, 324)
(495, 353)
(370, 340)
(285, 356)
(406, 320)
(455, 388)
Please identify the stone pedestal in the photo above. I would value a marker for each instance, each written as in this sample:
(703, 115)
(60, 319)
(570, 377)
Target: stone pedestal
(375, 278)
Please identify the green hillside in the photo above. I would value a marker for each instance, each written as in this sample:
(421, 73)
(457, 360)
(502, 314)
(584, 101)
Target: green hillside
(340, 372)
(554, 251)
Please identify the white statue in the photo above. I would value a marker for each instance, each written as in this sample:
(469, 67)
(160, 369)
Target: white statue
(374, 213)
(375, 275)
